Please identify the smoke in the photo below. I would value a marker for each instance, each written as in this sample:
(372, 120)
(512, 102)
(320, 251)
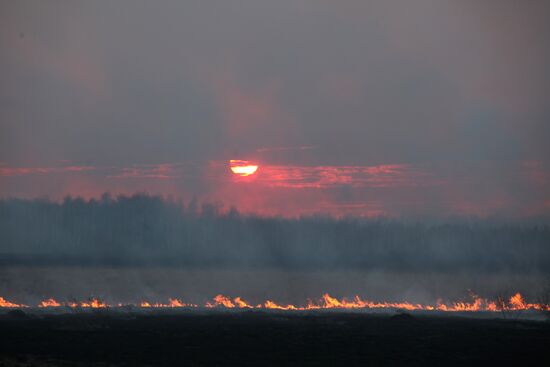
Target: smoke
(451, 98)
(142, 245)
(143, 229)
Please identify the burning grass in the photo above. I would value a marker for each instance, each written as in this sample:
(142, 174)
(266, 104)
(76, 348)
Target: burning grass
(515, 303)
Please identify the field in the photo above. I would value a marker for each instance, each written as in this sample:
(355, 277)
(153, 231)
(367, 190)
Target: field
(130, 336)
(259, 338)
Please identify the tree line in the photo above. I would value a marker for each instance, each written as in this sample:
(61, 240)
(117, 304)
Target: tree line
(151, 230)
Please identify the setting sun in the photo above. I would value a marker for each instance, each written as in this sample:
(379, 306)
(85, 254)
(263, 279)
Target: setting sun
(242, 168)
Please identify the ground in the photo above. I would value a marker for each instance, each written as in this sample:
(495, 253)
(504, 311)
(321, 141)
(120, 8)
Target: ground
(256, 338)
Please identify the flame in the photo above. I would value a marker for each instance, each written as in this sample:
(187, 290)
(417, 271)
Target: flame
(50, 302)
(517, 301)
(8, 304)
(242, 168)
(172, 302)
(274, 306)
(93, 303)
(242, 304)
(221, 300)
(514, 303)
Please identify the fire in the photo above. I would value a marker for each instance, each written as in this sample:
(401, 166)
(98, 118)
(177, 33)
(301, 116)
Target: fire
(221, 300)
(242, 168)
(517, 301)
(514, 303)
(242, 304)
(172, 302)
(93, 303)
(273, 306)
(8, 304)
(50, 302)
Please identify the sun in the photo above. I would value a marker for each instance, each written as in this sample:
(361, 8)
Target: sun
(242, 168)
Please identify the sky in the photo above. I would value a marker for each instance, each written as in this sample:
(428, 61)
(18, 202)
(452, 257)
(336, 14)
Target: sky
(379, 108)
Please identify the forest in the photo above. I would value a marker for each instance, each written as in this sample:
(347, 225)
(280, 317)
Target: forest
(150, 230)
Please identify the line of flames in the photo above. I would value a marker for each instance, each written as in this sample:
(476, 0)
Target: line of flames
(514, 303)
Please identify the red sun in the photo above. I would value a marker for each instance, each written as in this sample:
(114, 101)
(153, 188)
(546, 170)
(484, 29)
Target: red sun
(242, 168)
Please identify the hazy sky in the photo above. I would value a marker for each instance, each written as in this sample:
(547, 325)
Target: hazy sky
(387, 107)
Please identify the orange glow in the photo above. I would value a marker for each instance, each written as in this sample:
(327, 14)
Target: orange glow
(50, 302)
(274, 306)
(242, 168)
(221, 300)
(172, 303)
(514, 303)
(517, 301)
(8, 304)
(93, 303)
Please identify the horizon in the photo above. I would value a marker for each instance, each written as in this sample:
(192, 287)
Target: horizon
(194, 206)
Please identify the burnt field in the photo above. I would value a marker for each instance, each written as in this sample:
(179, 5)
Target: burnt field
(200, 338)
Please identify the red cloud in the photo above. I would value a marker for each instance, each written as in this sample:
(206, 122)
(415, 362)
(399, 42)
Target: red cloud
(21, 171)
(395, 175)
(162, 171)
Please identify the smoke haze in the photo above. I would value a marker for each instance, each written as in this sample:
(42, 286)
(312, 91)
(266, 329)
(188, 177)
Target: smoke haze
(457, 90)
(144, 246)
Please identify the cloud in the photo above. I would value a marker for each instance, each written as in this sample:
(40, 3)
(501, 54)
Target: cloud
(389, 175)
(23, 171)
(163, 171)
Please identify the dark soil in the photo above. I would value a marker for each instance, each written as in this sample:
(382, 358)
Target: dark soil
(268, 339)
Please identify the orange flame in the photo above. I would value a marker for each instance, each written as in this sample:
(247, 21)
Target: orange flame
(50, 302)
(93, 303)
(515, 303)
(172, 303)
(8, 304)
(221, 300)
(274, 306)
